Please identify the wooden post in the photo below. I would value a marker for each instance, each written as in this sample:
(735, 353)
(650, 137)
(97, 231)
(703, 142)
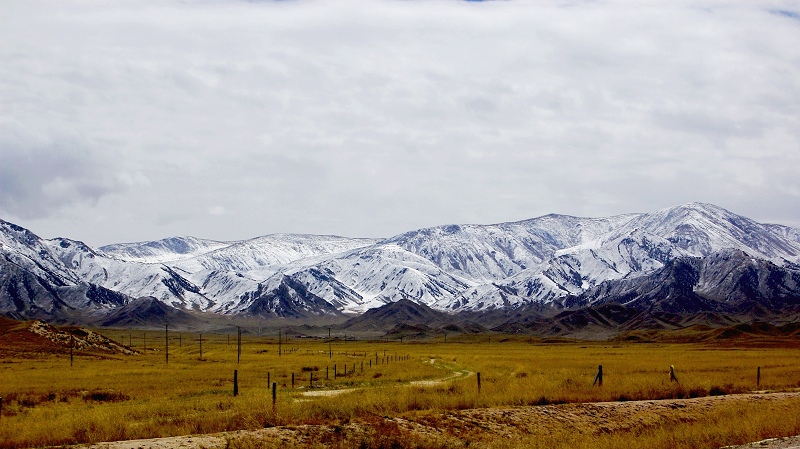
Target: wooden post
(326, 373)
(334, 371)
(362, 367)
(268, 379)
(236, 382)
(598, 379)
(310, 379)
(330, 349)
(166, 344)
(758, 377)
(71, 345)
(180, 340)
(201, 346)
(274, 395)
(370, 363)
(479, 382)
(292, 380)
(376, 357)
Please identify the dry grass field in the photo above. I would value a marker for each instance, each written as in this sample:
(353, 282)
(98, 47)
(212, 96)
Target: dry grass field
(379, 385)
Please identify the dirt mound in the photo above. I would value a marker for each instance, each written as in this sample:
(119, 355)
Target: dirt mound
(27, 338)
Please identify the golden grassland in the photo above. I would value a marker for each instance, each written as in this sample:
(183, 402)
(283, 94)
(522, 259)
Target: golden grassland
(48, 402)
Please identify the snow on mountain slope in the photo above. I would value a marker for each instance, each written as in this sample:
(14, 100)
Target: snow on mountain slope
(792, 234)
(638, 247)
(36, 283)
(25, 249)
(727, 280)
(699, 229)
(166, 250)
(280, 296)
(270, 250)
(134, 279)
(214, 280)
(493, 252)
(380, 274)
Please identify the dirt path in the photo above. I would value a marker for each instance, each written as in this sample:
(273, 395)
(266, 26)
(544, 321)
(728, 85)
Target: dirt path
(454, 374)
(772, 443)
(484, 424)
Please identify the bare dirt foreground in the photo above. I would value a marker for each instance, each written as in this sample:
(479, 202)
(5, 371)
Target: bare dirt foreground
(454, 428)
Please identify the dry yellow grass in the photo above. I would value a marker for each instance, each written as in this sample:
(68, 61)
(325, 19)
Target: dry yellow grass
(47, 402)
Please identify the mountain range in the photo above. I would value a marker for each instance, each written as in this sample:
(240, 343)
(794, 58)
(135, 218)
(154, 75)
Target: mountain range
(688, 259)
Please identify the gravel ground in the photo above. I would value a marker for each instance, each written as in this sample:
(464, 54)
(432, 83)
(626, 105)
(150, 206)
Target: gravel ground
(772, 443)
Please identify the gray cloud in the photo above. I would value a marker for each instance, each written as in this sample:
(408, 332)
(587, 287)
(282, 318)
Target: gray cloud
(43, 174)
(233, 119)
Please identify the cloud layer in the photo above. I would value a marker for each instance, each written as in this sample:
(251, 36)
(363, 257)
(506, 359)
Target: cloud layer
(138, 120)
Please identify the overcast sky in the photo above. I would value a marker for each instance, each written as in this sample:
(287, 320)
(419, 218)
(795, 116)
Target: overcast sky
(127, 121)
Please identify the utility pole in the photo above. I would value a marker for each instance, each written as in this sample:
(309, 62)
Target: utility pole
(166, 344)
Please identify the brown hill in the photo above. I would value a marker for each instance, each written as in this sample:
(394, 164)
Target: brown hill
(29, 338)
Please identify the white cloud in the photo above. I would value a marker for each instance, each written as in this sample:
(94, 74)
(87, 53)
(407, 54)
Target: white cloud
(375, 117)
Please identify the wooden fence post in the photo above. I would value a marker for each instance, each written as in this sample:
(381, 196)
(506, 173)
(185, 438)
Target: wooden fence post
(236, 382)
(71, 346)
(268, 382)
(334, 371)
(310, 379)
(758, 377)
(274, 395)
(201, 346)
(292, 380)
(479, 382)
(598, 379)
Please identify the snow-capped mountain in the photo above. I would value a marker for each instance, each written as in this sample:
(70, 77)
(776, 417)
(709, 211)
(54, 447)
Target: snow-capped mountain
(547, 260)
(639, 247)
